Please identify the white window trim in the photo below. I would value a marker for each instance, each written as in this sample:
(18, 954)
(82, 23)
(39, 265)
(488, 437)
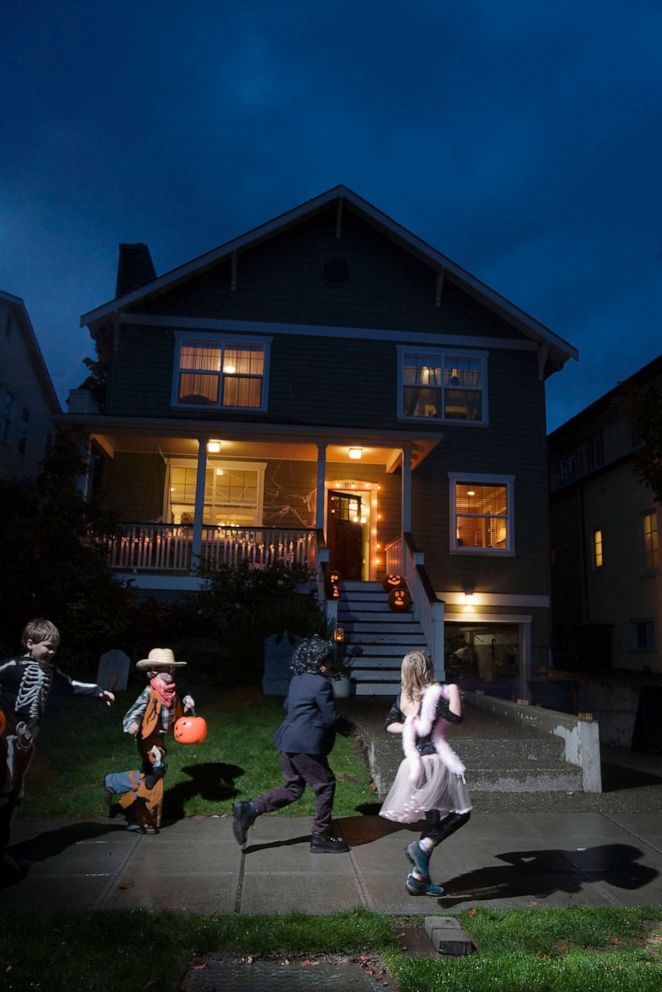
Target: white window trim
(403, 349)
(228, 463)
(482, 479)
(633, 634)
(224, 340)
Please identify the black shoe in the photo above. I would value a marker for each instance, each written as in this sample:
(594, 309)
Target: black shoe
(243, 818)
(327, 844)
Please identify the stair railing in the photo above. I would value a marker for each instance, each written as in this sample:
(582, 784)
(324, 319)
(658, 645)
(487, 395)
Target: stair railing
(329, 607)
(428, 608)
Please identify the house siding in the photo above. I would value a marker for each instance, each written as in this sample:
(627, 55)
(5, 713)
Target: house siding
(133, 486)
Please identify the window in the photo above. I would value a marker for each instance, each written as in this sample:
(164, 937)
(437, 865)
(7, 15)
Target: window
(651, 541)
(221, 373)
(482, 514)
(7, 415)
(233, 493)
(25, 426)
(643, 634)
(598, 558)
(446, 386)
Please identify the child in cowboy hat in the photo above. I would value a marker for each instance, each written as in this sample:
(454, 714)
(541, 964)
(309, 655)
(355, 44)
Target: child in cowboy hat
(152, 715)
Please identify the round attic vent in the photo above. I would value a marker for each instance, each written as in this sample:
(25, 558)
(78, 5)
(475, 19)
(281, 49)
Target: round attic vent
(336, 271)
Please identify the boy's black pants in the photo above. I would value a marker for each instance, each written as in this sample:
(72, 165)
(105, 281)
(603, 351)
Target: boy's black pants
(300, 770)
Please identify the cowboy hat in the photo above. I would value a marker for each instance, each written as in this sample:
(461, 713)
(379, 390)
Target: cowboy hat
(158, 658)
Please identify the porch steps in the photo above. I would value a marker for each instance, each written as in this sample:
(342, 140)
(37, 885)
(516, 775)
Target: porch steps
(376, 638)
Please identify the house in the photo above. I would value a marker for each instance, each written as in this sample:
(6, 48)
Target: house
(605, 526)
(28, 401)
(328, 388)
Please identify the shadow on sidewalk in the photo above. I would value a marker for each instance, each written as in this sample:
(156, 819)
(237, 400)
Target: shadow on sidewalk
(50, 843)
(541, 873)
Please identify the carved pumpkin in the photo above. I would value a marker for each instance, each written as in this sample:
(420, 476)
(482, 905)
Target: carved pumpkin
(334, 577)
(393, 581)
(399, 600)
(190, 730)
(3, 722)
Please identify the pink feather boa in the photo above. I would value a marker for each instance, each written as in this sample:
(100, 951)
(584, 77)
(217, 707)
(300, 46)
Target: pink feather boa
(422, 724)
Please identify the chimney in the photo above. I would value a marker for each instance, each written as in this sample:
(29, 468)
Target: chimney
(135, 268)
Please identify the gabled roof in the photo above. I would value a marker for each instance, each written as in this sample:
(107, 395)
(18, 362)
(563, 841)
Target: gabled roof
(498, 304)
(40, 367)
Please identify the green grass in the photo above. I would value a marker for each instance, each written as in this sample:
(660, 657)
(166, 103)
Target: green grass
(534, 950)
(81, 741)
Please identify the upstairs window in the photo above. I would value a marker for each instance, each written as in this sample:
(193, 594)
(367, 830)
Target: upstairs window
(598, 555)
(215, 373)
(442, 385)
(651, 541)
(482, 514)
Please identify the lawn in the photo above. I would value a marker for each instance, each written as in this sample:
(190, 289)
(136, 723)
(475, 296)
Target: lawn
(81, 741)
(535, 950)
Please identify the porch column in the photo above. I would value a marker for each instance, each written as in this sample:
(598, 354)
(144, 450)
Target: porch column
(406, 487)
(321, 475)
(196, 545)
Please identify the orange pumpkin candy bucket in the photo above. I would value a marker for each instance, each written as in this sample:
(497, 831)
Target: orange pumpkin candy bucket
(190, 730)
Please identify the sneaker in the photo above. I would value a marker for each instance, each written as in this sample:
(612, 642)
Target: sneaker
(243, 818)
(419, 859)
(419, 887)
(135, 828)
(327, 844)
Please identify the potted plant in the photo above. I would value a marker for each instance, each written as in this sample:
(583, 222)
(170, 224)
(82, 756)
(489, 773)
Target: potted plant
(342, 682)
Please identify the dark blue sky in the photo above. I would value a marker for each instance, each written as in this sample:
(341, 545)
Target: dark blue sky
(522, 139)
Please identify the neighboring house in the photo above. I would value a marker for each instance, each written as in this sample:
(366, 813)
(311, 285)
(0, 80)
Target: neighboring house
(28, 401)
(605, 527)
(330, 388)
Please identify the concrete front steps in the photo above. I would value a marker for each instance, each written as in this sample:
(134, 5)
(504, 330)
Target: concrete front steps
(376, 638)
(500, 757)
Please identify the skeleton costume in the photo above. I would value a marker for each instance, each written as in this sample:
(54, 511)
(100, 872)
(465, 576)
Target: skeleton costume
(25, 685)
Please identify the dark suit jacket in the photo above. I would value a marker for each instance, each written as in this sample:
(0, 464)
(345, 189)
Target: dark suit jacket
(312, 718)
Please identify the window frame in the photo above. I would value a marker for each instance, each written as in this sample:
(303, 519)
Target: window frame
(481, 479)
(218, 461)
(223, 342)
(650, 566)
(649, 623)
(598, 566)
(442, 353)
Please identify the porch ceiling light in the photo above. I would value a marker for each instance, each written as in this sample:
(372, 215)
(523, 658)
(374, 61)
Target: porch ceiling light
(355, 453)
(213, 446)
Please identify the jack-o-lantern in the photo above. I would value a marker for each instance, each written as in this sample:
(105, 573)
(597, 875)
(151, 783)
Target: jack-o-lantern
(334, 577)
(399, 600)
(3, 722)
(334, 584)
(393, 581)
(190, 730)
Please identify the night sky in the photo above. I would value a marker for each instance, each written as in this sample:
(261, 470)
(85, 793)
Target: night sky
(521, 139)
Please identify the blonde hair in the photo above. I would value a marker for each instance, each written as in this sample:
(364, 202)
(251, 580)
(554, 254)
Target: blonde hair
(416, 674)
(39, 630)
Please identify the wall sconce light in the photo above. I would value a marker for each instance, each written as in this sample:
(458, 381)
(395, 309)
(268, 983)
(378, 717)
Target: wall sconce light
(339, 635)
(469, 596)
(213, 446)
(355, 453)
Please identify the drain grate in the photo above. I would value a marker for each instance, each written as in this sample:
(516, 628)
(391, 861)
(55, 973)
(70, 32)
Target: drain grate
(223, 975)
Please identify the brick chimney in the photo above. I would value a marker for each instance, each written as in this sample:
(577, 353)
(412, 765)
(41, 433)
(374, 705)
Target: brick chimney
(135, 268)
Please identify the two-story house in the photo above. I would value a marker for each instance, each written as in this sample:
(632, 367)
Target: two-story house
(331, 389)
(605, 526)
(28, 401)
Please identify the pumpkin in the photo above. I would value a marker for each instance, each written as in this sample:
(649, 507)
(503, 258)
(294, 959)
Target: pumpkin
(393, 581)
(3, 722)
(190, 730)
(399, 600)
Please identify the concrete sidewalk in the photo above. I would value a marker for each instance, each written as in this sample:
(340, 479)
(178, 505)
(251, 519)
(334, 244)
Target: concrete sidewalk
(499, 860)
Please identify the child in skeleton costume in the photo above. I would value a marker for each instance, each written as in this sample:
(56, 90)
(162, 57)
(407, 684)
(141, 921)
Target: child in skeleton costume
(25, 685)
(429, 784)
(153, 714)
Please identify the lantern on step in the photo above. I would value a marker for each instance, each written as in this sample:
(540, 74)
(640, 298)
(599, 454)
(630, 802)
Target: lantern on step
(393, 581)
(399, 600)
(190, 730)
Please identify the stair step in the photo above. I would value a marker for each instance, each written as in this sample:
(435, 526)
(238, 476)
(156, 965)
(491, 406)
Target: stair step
(396, 626)
(362, 614)
(385, 649)
(384, 637)
(357, 584)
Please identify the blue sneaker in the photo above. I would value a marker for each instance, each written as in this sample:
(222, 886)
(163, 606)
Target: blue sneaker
(419, 859)
(419, 887)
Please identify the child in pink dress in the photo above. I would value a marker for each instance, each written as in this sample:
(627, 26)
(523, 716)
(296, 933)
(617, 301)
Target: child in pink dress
(429, 784)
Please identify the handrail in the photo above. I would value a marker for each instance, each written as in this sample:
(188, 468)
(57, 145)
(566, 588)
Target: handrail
(428, 608)
(329, 607)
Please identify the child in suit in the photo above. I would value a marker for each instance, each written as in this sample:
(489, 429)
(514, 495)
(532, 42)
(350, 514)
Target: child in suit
(304, 739)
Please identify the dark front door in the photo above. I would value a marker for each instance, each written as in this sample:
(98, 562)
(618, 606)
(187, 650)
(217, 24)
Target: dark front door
(345, 535)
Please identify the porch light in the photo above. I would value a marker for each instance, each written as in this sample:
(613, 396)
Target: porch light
(213, 446)
(469, 595)
(355, 453)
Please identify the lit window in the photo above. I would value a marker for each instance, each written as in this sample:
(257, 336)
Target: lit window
(233, 493)
(643, 634)
(598, 558)
(447, 386)
(219, 373)
(482, 514)
(651, 541)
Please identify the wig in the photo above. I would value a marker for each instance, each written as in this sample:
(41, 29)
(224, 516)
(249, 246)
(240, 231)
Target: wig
(310, 654)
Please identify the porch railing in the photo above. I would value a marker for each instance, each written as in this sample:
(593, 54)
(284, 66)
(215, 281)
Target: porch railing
(168, 548)
(402, 558)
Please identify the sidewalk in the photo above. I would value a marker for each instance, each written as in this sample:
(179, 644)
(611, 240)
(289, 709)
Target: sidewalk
(500, 859)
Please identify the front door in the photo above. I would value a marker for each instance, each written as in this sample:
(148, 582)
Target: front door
(345, 534)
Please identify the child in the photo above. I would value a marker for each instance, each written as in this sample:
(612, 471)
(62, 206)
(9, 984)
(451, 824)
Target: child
(304, 739)
(429, 783)
(152, 715)
(25, 685)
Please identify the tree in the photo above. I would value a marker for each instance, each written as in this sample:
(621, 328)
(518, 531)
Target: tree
(642, 405)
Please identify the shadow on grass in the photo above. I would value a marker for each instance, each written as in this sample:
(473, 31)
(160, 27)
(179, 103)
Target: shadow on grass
(214, 781)
(538, 874)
